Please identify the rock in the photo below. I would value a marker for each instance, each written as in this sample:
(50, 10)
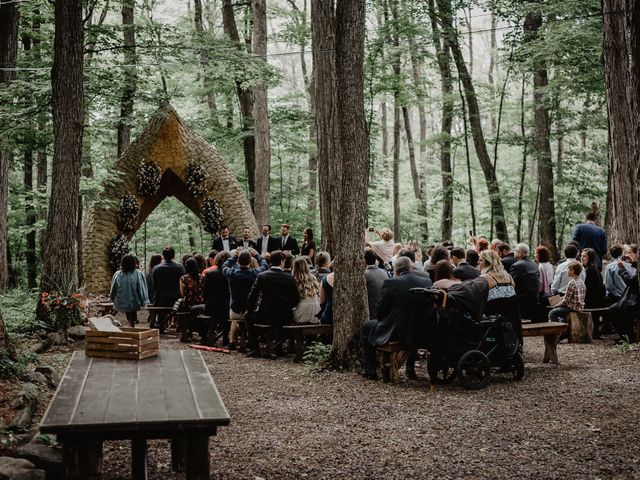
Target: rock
(27, 401)
(19, 469)
(54, 338)
(38, 347)
(42, 456)
(78, 332)
(23, 438)
(52, 376)
(37, 378)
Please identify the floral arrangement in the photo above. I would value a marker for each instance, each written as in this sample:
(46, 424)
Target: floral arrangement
(149, 175)
(118, 248)
(128, 213)
(65, 309)
(211, 215)
(195, 176)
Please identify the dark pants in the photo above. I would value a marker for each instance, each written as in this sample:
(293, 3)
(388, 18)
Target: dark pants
(623, 320)
(368, 349)
(131, 318)
(559, 314)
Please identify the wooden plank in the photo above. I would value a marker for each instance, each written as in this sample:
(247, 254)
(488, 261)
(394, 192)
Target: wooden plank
(123, 393)
(114, 355)
(541, 329)
(151, 403)
(180, 404)
(93, 401)
(204, 391)
(124, 341)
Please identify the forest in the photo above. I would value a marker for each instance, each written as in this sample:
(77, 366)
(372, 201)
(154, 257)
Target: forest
(437, 118)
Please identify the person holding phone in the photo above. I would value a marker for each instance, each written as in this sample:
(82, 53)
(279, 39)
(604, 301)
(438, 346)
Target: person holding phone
(383, 248)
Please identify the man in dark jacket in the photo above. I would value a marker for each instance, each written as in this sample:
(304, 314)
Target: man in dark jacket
(526, 275)
(266, 243)
(463, 271)
(506, 256)
(278, 295)
(402, 315)
(374, 277)
(590, 235)
(225, 241)
(287, 243)
(245, 242)
(166, 283)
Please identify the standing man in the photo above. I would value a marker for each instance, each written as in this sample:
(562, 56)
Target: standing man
(286, 242)
(590, 235)
(166, 284)
(526, 276)
(245, 242)
(224, 242)
(266, 243)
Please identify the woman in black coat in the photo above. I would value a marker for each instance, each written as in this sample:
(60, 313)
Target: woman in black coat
(628, 307)
(595, 295)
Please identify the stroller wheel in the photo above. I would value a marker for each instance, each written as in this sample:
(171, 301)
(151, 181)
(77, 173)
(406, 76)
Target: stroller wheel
(474, 370)
(518, 367)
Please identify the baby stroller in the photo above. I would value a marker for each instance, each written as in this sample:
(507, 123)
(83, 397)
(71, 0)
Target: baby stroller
(467, 344)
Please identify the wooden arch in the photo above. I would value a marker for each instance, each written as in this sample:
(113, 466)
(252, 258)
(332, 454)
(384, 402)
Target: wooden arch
(169, 142)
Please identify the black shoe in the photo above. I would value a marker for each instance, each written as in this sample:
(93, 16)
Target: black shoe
(370, 374)
(231, 346)
(253, 353)
(411, 374)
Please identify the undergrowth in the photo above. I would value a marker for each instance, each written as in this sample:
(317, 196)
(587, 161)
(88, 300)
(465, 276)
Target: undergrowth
(625, 347)
(19, 368)
(317, 357)
(19, 311)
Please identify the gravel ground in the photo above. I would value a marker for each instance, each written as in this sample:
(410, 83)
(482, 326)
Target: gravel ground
(576, 420)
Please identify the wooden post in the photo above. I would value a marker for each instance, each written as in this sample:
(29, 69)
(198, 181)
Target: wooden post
(198, 457)
(82, 459)
(178, 454)
(580, 327)
(551, 349)
(139, 459)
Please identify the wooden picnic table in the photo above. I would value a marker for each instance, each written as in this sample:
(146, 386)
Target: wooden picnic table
(169, 396)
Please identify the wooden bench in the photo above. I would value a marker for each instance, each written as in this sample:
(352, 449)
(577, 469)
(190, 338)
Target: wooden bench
(596, 313)
(267, 331)
(391, 360)
(299, 332)
(550, 332)
(169, 396)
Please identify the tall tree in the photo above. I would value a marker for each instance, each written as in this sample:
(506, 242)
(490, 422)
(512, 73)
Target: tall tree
(9, 18)
(541, 142)
(261, 118)
(479, 142)
(204, 62)
(621, 22)
(58, 262)
(129, 86)
(245, 98)
(350, 305)
(396, 65)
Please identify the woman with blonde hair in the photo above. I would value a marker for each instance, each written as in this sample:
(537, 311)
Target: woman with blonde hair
(502, 294)
(308, 290)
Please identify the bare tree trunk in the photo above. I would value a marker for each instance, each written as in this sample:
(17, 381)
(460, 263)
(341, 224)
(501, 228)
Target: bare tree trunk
(41, 138)
(467, 157)
(523, 171)
(397, 225)
(245, 98)
(130, 77)
(476, 125)
(542, 145)
(350, 304)
(492, 62)
(59, 262)
(204, 62)
(9, 17)
(621, 45)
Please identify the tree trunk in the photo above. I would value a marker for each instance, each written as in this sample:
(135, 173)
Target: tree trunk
(58, 264)
(542, 145)
(41, 139)
(350, 304)
(130, 77)
(523, 171)
(324, 86)
(204, 62)
(30, 218)
(468, 158)
(476, 125)
(621, 50)
(443, 48)
(6, 348)
(397, 224)
(245, 98)
(493, 45)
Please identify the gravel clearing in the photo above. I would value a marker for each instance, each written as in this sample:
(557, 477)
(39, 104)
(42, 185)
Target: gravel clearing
(576, 420)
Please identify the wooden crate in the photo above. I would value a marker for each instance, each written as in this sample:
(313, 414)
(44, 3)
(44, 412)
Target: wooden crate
(133, 343)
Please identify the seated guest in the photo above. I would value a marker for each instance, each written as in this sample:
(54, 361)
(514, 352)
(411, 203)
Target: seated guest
(155, 260)
(215, 290)
(396, 248)
(526, 277)
(225, 241)
(561, 279)
(383, 248)
(545, 269)
(288, 263)
(400, 316)
(211, 262)
(462, 270)
(286, 242)
(192, 296)
(184, 259)
(439, 253)
(625, 311)
(245, 242)
(429, 253)
(278, 296)
(266, 243)
(506, 255)
(631, 254)
(241, 277)
(573, 300)
(473, 258)
(201, 261)
(308, 247)
(322, 265)
(374, 277)
(326, 299)
(495, 243)
(308, 290)
(502, 294)
(444, 275)
(129, 289)
(166, 284)
(595, 293)
(414, 247)
(405, 252)
(614, 283)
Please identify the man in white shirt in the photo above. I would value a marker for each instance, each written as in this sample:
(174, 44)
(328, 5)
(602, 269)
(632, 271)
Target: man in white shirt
(560, 278)
(225, 241)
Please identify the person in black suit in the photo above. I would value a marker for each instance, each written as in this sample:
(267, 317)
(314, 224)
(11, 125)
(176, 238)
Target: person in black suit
(506, 256)
(266, 243)
(245, 242)
(526, 275)
(216, 300)
(166, 283)
(225, 241)
(401, 316)
(286, 242)
(462, 271)
(279, 296)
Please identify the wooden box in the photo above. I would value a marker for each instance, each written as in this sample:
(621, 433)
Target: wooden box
(133, 343)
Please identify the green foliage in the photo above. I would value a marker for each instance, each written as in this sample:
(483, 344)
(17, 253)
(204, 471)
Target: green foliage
(19, 368)
(317, 357)
(625, 347)
(19, 312)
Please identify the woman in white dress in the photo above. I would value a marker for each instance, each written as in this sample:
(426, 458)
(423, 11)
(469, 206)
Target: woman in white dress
(308, 289)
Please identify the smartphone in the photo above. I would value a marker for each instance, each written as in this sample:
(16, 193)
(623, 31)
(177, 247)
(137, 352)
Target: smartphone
(471, 233)
(371, 229)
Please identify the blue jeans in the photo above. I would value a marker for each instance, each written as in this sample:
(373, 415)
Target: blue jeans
(559, 314)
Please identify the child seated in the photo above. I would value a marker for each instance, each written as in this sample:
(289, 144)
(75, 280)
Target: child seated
(573, 300)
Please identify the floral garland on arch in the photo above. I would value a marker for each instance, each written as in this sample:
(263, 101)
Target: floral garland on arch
(149, 175)
(128, 213)
(195, 176)
(211, 215)
(118, 248)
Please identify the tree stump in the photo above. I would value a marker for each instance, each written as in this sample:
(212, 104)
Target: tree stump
(580, 327)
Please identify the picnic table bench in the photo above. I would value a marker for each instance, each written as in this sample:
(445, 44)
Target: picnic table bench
(169, 396)
(550, 332)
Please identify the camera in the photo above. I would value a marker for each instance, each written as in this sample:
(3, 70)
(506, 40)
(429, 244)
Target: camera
(371, 229)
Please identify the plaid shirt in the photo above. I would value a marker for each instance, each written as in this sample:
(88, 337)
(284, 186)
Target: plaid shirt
(574, 298)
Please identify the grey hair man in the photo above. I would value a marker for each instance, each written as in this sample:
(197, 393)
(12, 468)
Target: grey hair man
(526, 276)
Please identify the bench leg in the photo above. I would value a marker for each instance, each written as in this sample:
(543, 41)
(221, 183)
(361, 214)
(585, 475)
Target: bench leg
(242, 348)
(139, 459)
(550, 349)
(385, 361)
(178, 454)
(198, 457)
(395, 376)
(82, 459)
(299, 340)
